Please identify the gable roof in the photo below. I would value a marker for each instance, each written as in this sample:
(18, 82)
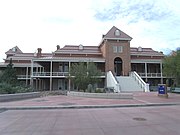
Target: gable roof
(111, 34)
(14, 50)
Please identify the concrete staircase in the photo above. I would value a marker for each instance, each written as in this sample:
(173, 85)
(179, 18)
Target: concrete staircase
(128, 84)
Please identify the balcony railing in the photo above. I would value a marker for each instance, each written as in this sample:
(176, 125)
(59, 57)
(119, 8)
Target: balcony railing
(150, 74)
(51, 74)
(54, 74)
(23, 76)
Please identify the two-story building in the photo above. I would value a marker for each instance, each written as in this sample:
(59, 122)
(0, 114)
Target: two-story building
(50, 71)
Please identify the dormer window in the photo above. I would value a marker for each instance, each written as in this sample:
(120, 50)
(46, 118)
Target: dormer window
(117, 33)
(14, 49)
(80, 47)
(139, 49)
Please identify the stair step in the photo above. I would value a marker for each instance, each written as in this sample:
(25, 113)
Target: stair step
(128, 84)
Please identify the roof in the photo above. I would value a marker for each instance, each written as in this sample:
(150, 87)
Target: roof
(79, 49)
(111, 34)
(3, 64)
(14, 50)
(72, 59)
(144, 51)
(26, 56)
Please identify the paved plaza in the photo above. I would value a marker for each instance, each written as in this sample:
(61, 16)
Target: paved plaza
(139, 120)
(162, 120)
(139, 98)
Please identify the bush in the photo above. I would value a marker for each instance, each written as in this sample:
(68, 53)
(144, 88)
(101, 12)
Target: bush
(9, 89)
(99, 91)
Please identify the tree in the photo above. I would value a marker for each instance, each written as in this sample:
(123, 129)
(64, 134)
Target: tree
(9, 75)
(172, 66)
(8, 80)
(93, 73)
(83, 74)
(79, 75)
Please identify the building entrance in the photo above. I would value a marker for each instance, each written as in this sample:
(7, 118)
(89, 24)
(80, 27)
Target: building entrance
(118, 66)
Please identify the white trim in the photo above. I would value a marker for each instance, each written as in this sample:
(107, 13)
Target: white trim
(69, 59)
(146, 61)
(128, 39)
(139, 54)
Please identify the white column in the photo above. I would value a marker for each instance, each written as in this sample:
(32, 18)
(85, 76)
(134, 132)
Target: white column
(69, 76)
(161, 72)
(27, 75)
(146, 71)
(50, 87)
(36, 79)
(31, 82)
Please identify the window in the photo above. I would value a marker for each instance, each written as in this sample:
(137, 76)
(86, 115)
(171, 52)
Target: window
(80, 47)
(117, 33)
(117, 49)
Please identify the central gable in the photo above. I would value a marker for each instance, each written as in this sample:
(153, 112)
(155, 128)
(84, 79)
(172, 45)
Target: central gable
(117, 34)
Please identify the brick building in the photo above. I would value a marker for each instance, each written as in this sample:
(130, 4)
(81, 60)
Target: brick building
(113, 56)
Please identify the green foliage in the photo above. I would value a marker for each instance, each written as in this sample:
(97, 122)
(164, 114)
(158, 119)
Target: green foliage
(99, 91)
(9, 75)
(79, 73)
(83, 74)
(9, 83)
(172, 66)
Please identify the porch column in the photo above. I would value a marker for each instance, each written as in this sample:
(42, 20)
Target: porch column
(36, 79)
(69, 76)
(146, 71)
(27, 75)
(50, 87)
(31, 81)
(161, 73)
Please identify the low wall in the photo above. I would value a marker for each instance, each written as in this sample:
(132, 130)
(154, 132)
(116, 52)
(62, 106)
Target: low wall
(102, 95)
(18, 96)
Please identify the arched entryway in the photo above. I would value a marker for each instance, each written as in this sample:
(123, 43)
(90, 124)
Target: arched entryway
(118, 66)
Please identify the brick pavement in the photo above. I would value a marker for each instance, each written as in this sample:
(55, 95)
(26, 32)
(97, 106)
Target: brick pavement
(140, 98)
(163, 120)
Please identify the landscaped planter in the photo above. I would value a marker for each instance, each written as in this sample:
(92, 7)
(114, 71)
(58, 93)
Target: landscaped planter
(102, 95)
(19, 96)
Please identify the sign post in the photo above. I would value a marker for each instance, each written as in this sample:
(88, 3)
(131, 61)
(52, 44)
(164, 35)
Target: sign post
(162, 90)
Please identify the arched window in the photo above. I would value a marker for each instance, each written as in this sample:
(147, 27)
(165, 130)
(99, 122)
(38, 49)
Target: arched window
(117, 33)
(80, 47)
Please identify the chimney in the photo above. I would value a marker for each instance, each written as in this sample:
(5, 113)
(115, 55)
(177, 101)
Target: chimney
(58, 47)
(39, 52)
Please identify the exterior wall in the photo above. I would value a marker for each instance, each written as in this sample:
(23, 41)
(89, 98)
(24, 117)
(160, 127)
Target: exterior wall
(124, 55)
(103, 50)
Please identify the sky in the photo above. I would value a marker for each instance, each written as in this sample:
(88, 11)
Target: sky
(32, 24)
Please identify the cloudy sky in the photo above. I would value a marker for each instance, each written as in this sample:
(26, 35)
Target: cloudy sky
(30, 24)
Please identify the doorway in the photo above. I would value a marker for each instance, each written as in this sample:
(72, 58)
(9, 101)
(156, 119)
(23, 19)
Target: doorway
(118, 66)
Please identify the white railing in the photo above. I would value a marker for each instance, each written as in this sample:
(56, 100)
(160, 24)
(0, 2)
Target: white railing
(23, 76)
(150, 74)
(112, 82)
(50, 74)
(144, 86)
(63, 74)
